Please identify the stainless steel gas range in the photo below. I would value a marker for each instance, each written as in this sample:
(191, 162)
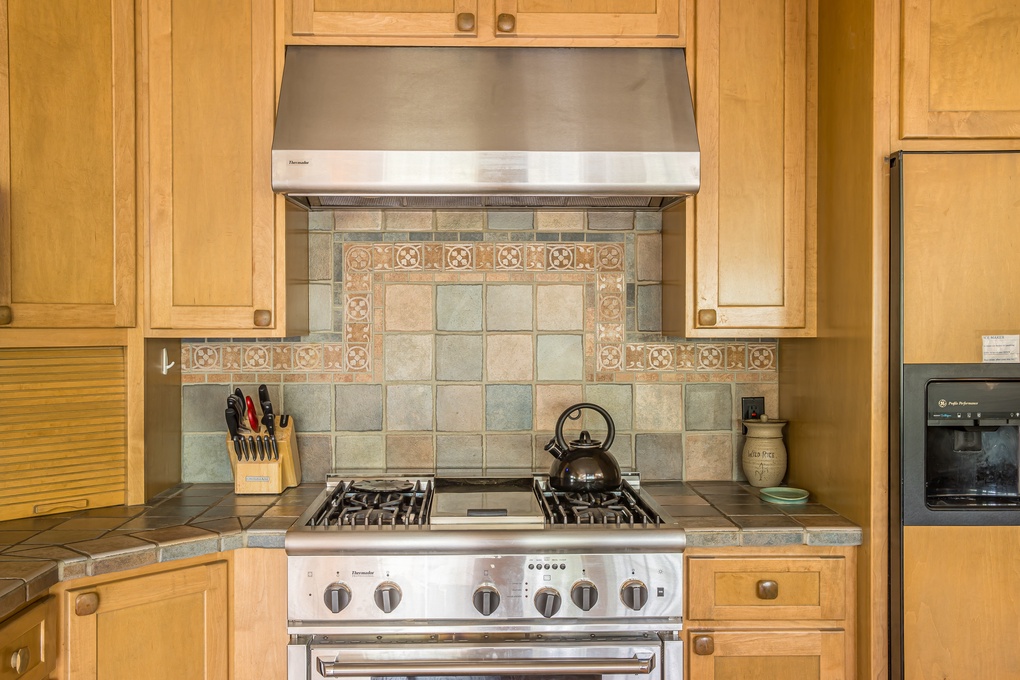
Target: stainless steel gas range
(490, 579)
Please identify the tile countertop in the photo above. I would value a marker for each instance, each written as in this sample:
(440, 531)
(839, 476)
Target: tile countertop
(197, 519)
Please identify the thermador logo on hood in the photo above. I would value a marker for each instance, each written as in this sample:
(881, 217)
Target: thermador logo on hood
(297, 162)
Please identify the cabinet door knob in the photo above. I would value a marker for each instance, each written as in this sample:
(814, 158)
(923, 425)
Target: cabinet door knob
(706, 317)
(6, 316)
(86, 604)
(704, 645)
(505, 23)
(466, 21)
(767, 590)
(263, 317)
(20, 660)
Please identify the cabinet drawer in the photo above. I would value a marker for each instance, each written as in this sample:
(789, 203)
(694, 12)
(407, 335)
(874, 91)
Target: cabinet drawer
(788, 588)
(26, 646)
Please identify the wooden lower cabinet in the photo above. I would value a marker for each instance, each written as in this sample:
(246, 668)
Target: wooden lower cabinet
(770, 613)
(165, 625)
(28, 643)
(766, 655)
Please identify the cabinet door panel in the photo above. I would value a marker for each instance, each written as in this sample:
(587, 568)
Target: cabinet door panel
(212, 232)
(769, 655)
(176, 623)
(67, 180)
(752, 250)
(960, 69)
(593, 18)
(435, 18)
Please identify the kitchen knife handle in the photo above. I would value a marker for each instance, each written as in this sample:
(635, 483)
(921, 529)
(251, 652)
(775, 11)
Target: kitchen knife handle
(253, 420)
(232, 423)
(284, 419)
(6, 315)
(276, 449)
(251, 447)
(263, 317)
(236, 440)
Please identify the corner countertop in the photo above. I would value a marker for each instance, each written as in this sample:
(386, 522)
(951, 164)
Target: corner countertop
(197, 519)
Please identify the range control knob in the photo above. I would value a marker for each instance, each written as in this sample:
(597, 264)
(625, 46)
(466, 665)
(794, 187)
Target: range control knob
(337, 597)
(634, 594)
(387, 596)
(547, 602)
(584, 594)
(486, 599)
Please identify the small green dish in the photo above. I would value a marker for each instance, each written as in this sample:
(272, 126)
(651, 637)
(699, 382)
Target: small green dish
(783, 494)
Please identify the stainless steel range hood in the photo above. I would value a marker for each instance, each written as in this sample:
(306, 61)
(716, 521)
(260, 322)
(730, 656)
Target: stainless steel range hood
(459, 127)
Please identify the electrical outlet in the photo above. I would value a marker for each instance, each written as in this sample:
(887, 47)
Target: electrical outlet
(752, 407)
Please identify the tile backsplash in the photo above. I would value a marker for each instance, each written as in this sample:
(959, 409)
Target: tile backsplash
(453, 340)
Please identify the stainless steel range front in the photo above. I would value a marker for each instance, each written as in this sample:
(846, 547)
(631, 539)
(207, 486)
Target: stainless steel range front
(484, 578)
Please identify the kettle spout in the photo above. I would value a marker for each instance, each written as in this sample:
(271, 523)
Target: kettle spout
(554, 449)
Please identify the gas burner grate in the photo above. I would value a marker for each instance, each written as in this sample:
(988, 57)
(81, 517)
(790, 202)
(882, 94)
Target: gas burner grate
(382, 503)
(621, 507)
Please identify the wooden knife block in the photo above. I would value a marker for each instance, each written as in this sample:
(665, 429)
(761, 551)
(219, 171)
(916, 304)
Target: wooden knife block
(268, 476)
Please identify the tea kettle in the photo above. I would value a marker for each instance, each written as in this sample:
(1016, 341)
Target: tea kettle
(585, 464)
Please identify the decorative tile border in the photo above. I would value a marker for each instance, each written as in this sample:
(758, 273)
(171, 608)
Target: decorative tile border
(355, 356)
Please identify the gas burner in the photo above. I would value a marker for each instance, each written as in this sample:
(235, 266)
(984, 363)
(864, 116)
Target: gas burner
(382, 485)
(618, 507)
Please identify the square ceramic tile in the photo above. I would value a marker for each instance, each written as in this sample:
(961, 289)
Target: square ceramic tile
(560, 307)
(510, 451)
(458, 308)
(560, 357)
(358, 408)
(459, 357)
(408, 220)
(610, 221)
(410, 452)
(409, 407)
(550, 220)
(657, 407)
(708, 406)
(408, 357)
(509, 308)
(660, 456)
(320, 307)
(508, 407)
(618, 400)
(202, 407)
(459, 451)
(309, 405)
(649, 308)
(509, 358)
(459, 408)
(204, 458)
(320, 257)
(648, 221)
(316, 456)
(353, 452)
(509, 220)
(649, 257)
(459, 220)
(551, 401)
(408, 308)
(358, 220)
(708, 456)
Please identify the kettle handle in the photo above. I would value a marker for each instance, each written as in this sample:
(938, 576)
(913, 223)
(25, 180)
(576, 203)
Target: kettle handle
(577, 407)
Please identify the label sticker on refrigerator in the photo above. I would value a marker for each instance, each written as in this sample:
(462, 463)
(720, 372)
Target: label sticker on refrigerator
(1000, 349)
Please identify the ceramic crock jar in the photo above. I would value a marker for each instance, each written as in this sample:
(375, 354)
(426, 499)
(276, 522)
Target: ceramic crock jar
(764, 456)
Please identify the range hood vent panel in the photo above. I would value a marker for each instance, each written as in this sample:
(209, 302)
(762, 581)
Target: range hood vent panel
(418, 127)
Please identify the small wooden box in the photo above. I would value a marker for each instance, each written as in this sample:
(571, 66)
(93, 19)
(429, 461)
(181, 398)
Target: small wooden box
(268, 476)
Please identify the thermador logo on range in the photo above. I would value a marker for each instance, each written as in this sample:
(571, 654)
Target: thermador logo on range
(355, 572)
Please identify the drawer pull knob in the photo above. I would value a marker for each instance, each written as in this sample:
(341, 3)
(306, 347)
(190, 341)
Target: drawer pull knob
(505, 23)
(465, 22)
(263, 317)
(6, 315)
(706, 317)
(86, 604)
(704, 645)
(767, 590)
(20, 660)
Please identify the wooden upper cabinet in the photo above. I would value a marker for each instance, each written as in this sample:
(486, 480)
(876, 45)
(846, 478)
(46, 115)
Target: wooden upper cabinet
(490, 22)
(385, 18)
(590, 18)
(214, 247)
(960, 69)
(67, 164)
(749, 234)
(960, 281)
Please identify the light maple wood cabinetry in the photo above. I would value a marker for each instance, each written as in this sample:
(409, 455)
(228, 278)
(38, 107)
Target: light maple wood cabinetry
(961, 602)
(67, 164)
(740, 258)
(959, 236)
(28, 643)
(960, 69)
(166, 624)
(494, 22)
(215, 229)
(770, 613)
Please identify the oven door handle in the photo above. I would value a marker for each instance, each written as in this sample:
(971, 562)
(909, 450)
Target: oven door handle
(413, 669)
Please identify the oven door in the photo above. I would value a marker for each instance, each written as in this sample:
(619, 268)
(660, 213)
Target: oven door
(488, 657)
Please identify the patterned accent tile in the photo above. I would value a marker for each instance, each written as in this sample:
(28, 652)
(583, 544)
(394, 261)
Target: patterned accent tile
(358, 307)
(762, 357)
(610, 358)
(610, 256)
(357, 258)
(409, 256)
(358, 358)
(333, 357)
(535, 255)
(661, 357)
(256, 358)
(560, 257)
(509, 256)
(308, 357)
(206, 358)
(458, 257)
(710, 357)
